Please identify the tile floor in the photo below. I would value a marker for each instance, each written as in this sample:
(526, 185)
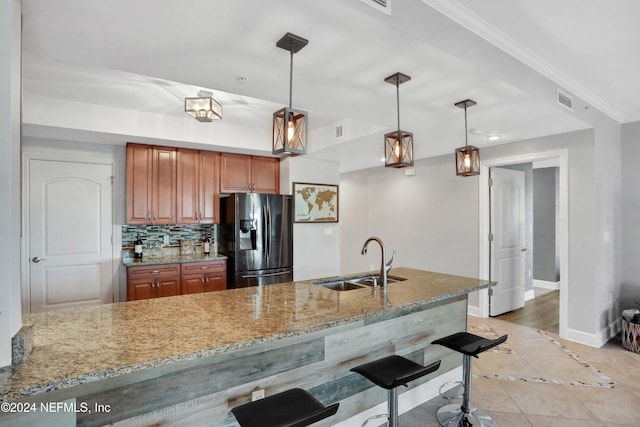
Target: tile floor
(536, 379)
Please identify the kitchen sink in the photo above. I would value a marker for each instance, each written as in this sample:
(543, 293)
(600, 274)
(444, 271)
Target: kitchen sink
(368, 280)
(358, 282)
(340, 285)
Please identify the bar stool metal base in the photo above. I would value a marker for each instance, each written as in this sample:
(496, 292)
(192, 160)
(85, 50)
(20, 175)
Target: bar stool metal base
(451, 415)
(391, 372)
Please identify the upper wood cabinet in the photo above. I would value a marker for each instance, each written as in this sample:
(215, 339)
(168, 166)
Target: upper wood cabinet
(240, 173)
(151, 184)
(198, 194)
(167, 185)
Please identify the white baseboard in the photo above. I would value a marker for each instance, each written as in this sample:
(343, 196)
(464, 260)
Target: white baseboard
(598, 339)
(473, 310)
(545, 284)
(530, 294)
(406, 401)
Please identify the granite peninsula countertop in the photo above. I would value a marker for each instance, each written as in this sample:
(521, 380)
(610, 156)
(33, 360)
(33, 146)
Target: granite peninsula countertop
(170, 259)
(82, 345)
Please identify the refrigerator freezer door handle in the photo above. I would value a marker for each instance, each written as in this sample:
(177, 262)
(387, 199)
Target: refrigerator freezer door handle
(268, 236)
(254, 276)
(265, 231)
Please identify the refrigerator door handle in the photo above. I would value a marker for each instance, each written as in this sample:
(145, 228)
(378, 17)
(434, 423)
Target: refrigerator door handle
(254, 276)
(265, 232)
(268, 237)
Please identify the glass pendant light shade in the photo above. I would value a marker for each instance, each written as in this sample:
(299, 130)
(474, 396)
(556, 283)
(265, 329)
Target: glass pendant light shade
(203, 107)
(467, 157)
(290, 124)
(289, 131)
(398, 149)
(398, 145)
(467, 161)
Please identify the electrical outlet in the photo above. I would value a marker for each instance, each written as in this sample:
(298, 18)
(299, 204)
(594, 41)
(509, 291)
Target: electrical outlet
(166, 239)
(257, 395)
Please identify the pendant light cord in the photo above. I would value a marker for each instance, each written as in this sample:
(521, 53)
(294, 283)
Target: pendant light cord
(291, 79)
(466, 132)
(398, 103)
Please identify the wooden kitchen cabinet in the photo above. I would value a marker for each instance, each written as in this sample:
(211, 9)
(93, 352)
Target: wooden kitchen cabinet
(204, 276)
(153, 281)
(151, 184)
(198, 188)
(164, 280)
(240, 173)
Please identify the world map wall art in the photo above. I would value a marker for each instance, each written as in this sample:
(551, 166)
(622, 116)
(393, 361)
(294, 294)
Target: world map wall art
(315, 202)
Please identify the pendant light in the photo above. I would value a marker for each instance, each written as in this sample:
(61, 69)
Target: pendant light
(467, 157)
(203, 107)
(290, 124)
(398, 145)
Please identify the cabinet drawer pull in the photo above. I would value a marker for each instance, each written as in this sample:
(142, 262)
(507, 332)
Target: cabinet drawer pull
(155, 272)
(204, 267)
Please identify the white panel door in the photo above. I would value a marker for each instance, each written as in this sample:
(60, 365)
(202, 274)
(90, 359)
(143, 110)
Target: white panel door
(508, 240)
(70, 226)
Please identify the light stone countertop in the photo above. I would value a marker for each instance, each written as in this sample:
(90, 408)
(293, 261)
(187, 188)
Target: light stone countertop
(81, 345)
(170, 259)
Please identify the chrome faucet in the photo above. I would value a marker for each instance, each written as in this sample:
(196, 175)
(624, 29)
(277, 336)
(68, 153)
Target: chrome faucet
(384, 267)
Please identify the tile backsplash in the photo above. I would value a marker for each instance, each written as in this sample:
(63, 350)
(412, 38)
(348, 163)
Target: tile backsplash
(153, 236)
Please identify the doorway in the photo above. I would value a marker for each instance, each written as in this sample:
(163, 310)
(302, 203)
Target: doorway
(561, 160)
(68, 234)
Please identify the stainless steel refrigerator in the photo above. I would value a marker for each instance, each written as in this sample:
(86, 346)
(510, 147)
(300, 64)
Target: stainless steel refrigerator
(256, 234)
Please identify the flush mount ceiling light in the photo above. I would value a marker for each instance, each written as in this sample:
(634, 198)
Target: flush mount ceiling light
(203, 107)
(398, 145)
(290, 124)
(467, 157)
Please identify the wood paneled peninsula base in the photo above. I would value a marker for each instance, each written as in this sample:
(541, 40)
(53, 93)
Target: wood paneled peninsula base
(186, 360)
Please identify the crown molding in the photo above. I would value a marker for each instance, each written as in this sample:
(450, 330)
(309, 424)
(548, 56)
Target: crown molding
(474, 23)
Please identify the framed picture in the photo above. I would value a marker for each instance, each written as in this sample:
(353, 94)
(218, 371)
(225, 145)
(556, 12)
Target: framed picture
(315, 202)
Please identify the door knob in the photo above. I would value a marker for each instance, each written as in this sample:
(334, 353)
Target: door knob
(37, 260)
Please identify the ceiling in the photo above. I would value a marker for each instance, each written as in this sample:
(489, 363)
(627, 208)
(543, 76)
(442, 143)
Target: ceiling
(144, 57)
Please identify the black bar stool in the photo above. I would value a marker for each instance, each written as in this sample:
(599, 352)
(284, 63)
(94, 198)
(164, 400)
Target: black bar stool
(391, 372)
(462, 415)
(291, 408)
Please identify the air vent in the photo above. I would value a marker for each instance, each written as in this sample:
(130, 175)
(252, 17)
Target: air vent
(565, 100)
(381, 5)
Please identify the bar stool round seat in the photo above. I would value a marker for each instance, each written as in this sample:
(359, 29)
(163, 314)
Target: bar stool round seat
(391, 372)
(469, 345)
(291, 408)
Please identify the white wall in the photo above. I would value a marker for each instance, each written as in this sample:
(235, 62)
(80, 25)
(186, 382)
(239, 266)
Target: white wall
(10, 312)
(607, 156)
(316, 247)
(432, 221)
(630, 277)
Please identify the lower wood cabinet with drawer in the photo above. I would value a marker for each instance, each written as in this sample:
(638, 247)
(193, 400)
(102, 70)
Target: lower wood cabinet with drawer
(204, 276)
(153, 281)
(165, 280)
